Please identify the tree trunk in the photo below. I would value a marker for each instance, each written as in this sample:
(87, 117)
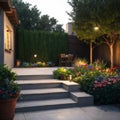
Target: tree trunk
(91, 54)
(111, 55)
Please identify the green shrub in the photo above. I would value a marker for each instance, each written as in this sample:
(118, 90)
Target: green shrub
(61, 73)
(99, 64)
(106, 91)
(87, 79)
(8, 87)
(80, 62)
(46, 45)
(103, 84)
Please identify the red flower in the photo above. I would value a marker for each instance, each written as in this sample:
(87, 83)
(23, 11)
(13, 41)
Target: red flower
(0, 91)
(11, 94)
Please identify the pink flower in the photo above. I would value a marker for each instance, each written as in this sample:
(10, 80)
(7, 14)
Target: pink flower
(109, 83)
(0, 91)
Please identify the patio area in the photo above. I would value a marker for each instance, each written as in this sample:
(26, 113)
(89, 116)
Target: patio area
(85, 113)
(105, 112)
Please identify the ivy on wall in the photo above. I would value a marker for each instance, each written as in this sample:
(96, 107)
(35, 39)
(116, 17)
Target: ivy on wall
(47, 45)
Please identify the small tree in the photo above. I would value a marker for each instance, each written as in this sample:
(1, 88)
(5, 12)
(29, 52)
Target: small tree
(108, 17)
(84, 22)
(102, 13)
(31, 18)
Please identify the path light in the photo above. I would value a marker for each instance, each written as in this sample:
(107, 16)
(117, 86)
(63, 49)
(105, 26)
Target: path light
(35, 55)
(96, 28)
(70, 78)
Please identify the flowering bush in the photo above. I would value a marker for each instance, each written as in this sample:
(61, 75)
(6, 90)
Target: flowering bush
(102, 83)
(41, 64)
(61, 73)
(87, 79)
(116, 69)
(99, 64)
(106, 91)
(8, 87)
(80, 62)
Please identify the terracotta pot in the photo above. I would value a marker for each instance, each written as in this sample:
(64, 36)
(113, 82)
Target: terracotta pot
(7, 109)
(18, 63)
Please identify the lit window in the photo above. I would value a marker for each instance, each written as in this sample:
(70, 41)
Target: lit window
(8, 41)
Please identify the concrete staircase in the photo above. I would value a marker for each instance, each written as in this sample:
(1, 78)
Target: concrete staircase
(45, 93)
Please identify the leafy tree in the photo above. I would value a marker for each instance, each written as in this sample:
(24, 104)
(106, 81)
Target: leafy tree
(46, 23)
(58, 28)
(105, 14)
(108, 17)
(31, 18)
(84, 21)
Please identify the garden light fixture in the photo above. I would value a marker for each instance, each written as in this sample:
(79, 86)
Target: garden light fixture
(35, 55)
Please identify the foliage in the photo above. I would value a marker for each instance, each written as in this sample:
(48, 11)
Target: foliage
(105, 14)
(31, 18)
(88, 14)
(61, 73)
(103, 83)
(25, 64)
(116, 69)
(99, 64)
(46, 45)
(106, 91)
(80, 62)
(87, 79)
(8, 87)
(37, 64)
(84, 22)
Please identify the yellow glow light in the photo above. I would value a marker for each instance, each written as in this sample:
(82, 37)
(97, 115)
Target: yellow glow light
(96, 28)
(35, 55)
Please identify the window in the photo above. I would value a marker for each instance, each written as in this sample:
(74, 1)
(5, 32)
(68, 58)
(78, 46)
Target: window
(8, 41)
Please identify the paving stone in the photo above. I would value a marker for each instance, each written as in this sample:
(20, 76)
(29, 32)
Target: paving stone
(29, 106)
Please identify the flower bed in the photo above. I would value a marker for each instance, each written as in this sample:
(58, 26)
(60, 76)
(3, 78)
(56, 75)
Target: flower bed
(103, 84)
(35, 64)
(106, 91)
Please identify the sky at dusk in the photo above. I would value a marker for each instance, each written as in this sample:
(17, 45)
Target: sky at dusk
(53, 8)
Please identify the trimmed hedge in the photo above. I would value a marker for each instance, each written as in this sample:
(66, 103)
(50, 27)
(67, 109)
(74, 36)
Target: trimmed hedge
(47, 45)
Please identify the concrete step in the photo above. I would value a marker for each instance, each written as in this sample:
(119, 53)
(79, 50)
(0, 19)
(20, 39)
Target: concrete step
(44, 94)
(45, 105)
(39, 84)
(71, 86)
(34, 77)
(82, 98)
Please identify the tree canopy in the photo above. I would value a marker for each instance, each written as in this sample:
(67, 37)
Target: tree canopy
(31, 18)
(104, 14)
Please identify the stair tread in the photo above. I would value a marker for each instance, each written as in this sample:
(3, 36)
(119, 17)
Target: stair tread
(43, 91)
(68, 83)
(81, 94)
(45, 102)
(38, 81)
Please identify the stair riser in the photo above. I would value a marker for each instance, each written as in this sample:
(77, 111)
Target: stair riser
(71, 88)
(34, 77)
(47, 107)
(83, 101)
(40, 86)
(49, 96)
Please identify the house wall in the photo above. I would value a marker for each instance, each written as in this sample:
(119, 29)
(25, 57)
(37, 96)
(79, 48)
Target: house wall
(1, 37)
(8, 55)
(69, 29)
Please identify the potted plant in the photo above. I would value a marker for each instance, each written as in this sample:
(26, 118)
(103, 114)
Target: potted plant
(9, 93)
